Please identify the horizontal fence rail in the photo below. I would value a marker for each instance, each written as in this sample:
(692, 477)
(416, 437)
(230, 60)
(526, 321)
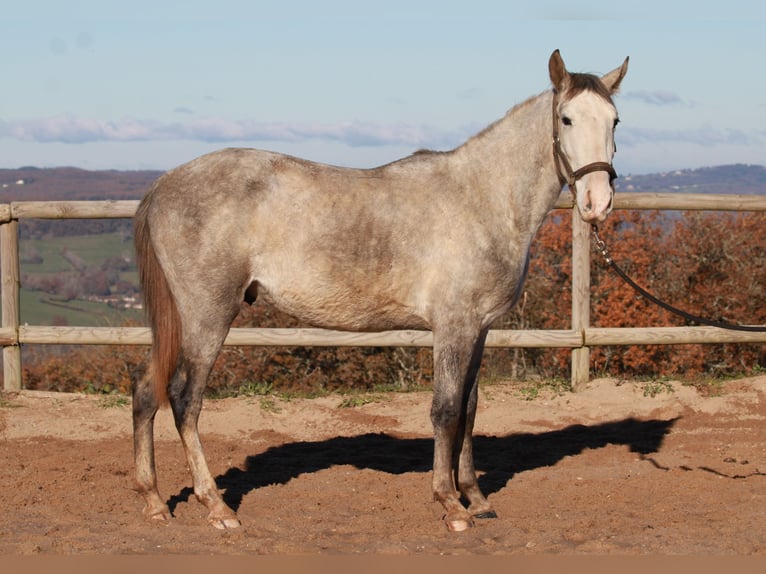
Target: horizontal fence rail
(125, 209)
(308, 337)
(579, 338)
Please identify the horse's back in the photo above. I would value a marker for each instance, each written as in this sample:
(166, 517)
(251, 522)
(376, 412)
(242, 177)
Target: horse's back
(211, 178)
(219, 200)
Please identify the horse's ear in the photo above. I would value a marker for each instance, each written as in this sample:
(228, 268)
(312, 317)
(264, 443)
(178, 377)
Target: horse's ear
(612, 79)
(558, 72)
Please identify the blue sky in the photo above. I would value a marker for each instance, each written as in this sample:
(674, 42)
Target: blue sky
(149, 85)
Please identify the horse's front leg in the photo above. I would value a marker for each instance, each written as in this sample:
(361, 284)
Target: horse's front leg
(479, 506)
(456, 361)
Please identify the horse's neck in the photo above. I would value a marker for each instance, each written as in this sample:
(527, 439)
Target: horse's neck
(513, 160)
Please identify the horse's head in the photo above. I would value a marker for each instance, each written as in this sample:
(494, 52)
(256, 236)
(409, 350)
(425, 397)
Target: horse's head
(584, 119)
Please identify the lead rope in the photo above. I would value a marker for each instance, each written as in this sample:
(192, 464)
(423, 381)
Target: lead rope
(604, 250)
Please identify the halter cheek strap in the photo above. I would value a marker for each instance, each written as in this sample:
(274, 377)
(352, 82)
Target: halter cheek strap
(564, 169)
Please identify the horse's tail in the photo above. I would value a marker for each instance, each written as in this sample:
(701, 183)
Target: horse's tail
(161, 309)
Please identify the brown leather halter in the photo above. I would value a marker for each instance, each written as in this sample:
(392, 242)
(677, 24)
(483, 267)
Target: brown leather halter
(564, 168)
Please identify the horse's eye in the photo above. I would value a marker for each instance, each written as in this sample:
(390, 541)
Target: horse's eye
(616, 121)
(566, 121)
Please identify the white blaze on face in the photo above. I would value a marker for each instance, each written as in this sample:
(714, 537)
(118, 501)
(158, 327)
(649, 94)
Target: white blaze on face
(587, 136)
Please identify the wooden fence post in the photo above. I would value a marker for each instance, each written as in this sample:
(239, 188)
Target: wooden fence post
(580, 297)
(9, 282)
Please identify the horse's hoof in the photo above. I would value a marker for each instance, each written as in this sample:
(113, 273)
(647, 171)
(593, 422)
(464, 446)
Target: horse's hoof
(160, 516)
(159, 519)
(226, 523)
(486, 514)
(458, 525)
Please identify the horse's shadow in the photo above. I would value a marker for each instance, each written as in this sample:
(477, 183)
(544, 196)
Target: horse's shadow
(497, 458)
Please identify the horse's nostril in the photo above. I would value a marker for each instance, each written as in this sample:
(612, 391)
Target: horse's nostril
(588, 203)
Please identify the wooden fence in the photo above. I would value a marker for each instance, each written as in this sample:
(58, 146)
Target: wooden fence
(579, 338)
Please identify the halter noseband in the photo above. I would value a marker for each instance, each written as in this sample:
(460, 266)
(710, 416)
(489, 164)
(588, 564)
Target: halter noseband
(564, 168)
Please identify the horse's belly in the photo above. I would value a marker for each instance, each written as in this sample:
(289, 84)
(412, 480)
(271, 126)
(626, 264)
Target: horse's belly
(344, 310)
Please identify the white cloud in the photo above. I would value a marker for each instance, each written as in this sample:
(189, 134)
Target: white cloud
(655, 98)
(71, 129)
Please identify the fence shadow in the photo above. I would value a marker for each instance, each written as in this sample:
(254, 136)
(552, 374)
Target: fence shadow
(498, 458)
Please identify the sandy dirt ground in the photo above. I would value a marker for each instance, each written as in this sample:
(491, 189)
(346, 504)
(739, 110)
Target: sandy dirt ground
(607, 471)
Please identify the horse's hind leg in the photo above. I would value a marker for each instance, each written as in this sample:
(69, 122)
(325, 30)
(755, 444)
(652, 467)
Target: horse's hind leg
(144, 410)
(202, 342)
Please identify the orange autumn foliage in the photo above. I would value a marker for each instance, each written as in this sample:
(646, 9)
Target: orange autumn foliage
(709, 264)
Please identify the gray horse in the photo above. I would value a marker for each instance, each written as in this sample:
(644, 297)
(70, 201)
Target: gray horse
(436, 241)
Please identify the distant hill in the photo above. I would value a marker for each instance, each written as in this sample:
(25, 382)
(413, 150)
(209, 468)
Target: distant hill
(69, 183)
(739, 179)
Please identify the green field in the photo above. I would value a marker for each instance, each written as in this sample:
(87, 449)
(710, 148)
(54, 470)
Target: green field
(93, 249)
(40, 308)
